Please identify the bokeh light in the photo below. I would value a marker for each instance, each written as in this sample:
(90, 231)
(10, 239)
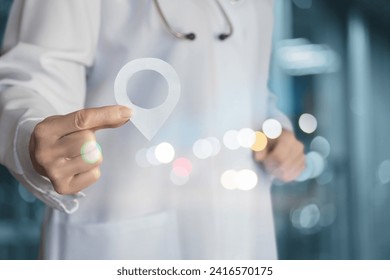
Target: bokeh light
(321, 145)
(315, 165)
(299, 57)
(307, 123)
(306, 217)
(230, 140)
(181, 170)
(261, 142)
(228, 179)
(384, 172)
(246, 179)
(246, 137)
(325, 177)
(215, 144)
(318, 163)
(310, 216)
(164, 152)
(182, 167)
(151, 156)
(91, 152)
(202, 149)
(328, 214)
(178, 176)
(272, 128)
(294, 217)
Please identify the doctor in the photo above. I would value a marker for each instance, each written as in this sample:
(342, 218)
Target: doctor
(57, 71)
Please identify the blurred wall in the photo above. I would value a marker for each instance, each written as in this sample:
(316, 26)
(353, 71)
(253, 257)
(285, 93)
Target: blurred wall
(20, 212)
(342, 214)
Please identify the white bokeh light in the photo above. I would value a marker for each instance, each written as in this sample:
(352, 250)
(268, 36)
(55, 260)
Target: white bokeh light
(202, 149)
(307, 123)
(230, 140)
(243, 180)
(246, 179)
(384, 172)
(164, 152)
(272, 128)
(321, 145)
(246, 137)
(151, 156)
(215, 144)
(91, 152)
(228, 179)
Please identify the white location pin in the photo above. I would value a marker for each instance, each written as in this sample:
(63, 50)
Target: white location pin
(148, 121)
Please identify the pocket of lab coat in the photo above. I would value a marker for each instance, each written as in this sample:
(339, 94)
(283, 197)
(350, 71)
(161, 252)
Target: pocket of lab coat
(153, 236)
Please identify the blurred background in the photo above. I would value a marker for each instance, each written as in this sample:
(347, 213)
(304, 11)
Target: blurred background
(330, 69)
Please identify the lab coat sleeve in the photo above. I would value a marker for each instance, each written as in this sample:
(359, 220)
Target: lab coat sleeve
(275, 113)
(272, 109)
(48, 47)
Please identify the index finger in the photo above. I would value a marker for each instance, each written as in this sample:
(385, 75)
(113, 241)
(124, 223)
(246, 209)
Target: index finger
(92, 118)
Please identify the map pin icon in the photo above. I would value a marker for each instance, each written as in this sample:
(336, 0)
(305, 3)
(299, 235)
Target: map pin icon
(148, 121)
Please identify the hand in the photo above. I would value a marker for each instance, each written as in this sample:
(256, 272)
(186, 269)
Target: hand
(283, 157)
(56, 142)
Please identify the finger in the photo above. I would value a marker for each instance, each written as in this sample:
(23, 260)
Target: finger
(62, 171)
(93, 118)
(70, 146)
(276, 157)
(295, 171)
(79, 165)
(110, 126)
(83, 180)
(293, 156)
(262, 155)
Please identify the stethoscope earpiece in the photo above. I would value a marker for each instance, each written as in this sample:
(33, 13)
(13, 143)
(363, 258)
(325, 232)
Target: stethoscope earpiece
(191, 36)
(223, 36)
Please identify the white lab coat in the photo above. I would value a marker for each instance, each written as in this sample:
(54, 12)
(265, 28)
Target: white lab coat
(61, 56)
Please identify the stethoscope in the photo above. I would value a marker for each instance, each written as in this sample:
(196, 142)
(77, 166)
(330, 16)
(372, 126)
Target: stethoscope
(191, 35)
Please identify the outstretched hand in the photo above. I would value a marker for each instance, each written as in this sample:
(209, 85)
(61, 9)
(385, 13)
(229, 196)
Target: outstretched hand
(283, 157)
(64, 148)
